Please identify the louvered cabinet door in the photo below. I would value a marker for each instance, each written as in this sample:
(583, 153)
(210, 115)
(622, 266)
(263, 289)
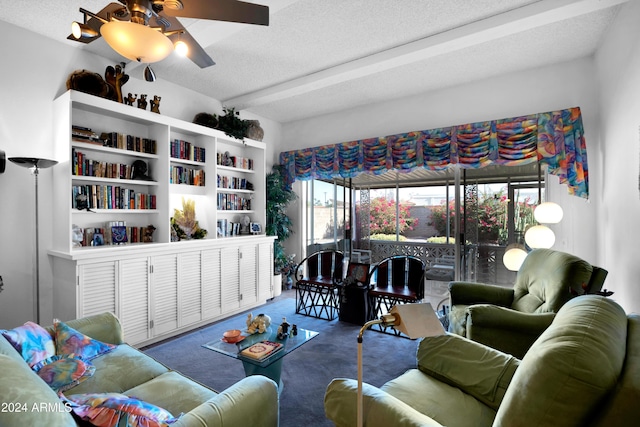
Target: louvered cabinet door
(248, 274)
(190, 288)
(265, 275)
(134, 299)
(164, 293)
(211, 283)
(230, 278)
(97, 288)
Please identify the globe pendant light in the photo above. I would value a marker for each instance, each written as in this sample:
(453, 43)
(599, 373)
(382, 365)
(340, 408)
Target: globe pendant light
(548, 213)
(539, 236)
(514, 256)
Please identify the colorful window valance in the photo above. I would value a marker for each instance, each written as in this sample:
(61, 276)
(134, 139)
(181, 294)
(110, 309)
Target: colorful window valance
(555, 138)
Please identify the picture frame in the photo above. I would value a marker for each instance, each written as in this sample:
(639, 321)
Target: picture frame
(359, 272)
(256, 228)
(119, 235)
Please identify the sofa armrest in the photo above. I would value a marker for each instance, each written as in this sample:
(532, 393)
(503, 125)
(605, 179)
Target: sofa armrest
(103, 327)
(380, 408)
(476, 369)
(468, 293)
(252, 401)
(504, 329)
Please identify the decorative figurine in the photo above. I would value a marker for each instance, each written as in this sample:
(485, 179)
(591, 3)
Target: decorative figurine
(129, 100)
(294, 330)
(116, 78)
(283, 329)
(142, 101)
(259, 324)
(155, 104)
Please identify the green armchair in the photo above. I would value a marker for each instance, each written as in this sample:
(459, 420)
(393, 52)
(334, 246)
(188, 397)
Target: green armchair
(584, 371)
(510, 320)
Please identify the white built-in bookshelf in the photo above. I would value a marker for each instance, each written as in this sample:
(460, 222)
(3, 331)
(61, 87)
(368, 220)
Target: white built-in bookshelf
(123, 171)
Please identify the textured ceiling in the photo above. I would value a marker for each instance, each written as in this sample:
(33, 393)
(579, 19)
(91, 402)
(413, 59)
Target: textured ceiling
(317, 57)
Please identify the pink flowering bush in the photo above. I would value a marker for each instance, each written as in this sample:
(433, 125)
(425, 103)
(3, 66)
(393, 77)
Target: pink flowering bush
(382, 217)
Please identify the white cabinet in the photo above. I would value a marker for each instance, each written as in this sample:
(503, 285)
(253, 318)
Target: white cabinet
(161, 290)
(164, 293)
(190, 288)
(98, 292)
(134, 299)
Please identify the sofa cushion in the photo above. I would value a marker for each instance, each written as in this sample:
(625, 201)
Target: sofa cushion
(64, 372)
(447, 405)
(572, 366)
(115, 409)
(173, 392)
(27, 399)
(476, 369)
(74, 343)
(119, 370)
(32, 341)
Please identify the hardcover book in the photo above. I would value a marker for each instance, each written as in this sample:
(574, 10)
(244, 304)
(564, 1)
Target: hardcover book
(261, 350)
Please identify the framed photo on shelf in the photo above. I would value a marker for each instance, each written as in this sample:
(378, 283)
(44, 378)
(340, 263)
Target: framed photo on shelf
(256, 228)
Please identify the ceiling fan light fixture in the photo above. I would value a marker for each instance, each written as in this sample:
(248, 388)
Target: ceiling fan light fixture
(181, 48)
(83, 31)
(136, 42)
(149, 75)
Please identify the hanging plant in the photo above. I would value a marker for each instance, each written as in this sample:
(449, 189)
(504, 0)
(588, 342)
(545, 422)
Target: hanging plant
(231, 123)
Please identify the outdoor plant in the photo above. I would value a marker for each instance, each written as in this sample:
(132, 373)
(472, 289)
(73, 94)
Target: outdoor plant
(382, 218)
(279, 195)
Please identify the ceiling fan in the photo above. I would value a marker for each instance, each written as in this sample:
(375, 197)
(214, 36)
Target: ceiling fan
(148, 30)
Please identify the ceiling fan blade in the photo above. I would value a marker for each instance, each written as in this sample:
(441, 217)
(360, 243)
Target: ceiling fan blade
(223, 10)
(196, 52)
(95, 24)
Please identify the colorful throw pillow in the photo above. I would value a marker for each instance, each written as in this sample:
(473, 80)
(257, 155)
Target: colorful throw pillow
(64, 372)
(74, 343)
(32, 341)
(115, 409)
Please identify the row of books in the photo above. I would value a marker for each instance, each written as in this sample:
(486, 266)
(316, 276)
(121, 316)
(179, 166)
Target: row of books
(110, 197)
(83, 166)
(186, 151)
(116, 233)
(129, 142)
(224, 159)
(228, 228)
(234, 183)
(233, 202)
(184, 175)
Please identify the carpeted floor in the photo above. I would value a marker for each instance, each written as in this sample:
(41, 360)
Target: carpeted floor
(306, 371)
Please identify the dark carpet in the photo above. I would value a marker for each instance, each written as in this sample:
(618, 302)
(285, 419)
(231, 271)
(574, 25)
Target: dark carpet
(306, 371)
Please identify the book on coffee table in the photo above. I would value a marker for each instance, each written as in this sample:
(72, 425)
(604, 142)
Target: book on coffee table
(261, 350)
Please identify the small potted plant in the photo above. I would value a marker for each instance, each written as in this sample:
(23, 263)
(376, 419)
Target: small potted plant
(287, 270)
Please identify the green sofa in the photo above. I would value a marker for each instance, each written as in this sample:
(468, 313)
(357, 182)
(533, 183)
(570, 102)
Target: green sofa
(28, 401)
(584, 370)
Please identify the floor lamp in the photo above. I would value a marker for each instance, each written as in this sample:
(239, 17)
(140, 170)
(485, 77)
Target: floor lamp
(35, 165)
(414, 320)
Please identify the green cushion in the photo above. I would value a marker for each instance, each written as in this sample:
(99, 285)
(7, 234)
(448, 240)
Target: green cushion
(478, 370)
(172, 392)
(380, 408)
(119, 370)
(447, 405)
(570, 368)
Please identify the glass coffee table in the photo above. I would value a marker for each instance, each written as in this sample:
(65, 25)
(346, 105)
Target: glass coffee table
(271, 366)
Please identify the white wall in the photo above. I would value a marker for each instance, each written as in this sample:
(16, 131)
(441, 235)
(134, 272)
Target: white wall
(33, 73)
(618, 76)
(550, 88)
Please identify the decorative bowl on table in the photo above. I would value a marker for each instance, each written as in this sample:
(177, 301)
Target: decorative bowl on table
(232, 336)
